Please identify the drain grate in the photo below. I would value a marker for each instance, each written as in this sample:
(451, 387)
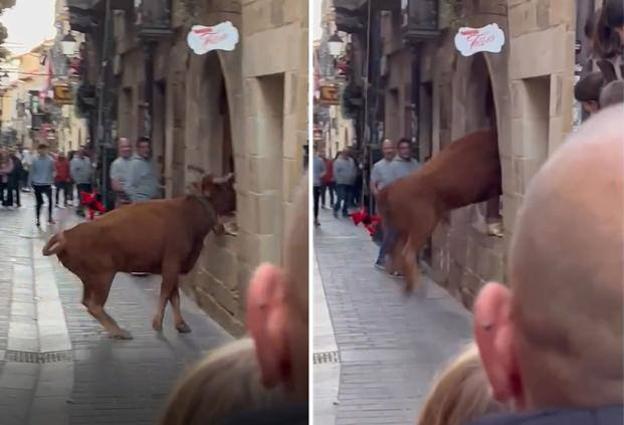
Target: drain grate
(30, 357)
(326, 357)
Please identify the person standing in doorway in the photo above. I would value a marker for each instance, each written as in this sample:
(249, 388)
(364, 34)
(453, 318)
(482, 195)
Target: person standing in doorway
(143, 185)
(404, 164)
(71, 184)
(381, 176)
(15, 177)
(81, 172)
(61, 178)
(328, 183)
(120, 172)
(344, 173)
(41, 178)
(6, 168)
(318, 174)
(27, 159)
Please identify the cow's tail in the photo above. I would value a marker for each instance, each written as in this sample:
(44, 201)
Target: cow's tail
(55, 245)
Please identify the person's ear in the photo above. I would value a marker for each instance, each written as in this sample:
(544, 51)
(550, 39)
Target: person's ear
(267, 323)
(495, 336)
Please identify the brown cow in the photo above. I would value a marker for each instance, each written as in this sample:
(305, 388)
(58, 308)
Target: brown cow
(466, 172)
(161, 237)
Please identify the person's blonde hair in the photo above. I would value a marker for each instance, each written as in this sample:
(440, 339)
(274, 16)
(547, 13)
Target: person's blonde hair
(225, 382)
(461, 393)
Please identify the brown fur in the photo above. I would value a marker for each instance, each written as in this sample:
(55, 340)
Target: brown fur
(464, 173)
(160, 237)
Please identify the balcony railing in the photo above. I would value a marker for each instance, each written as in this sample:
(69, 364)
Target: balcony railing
(153, 19)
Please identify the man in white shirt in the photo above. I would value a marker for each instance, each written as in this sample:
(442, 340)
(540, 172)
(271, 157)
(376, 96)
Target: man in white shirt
(120, 172)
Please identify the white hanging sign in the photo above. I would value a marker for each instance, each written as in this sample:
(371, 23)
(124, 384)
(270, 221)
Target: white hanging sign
(489, 38)
(202, 39)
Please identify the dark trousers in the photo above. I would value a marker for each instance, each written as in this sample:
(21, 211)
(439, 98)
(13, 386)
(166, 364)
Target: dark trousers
(343, 195)
(64, 186)
(24, 178)
(14, 188)
(332, 188)
(6, 197)
(70, 191)
(387, 243)
(317, 195)
(356, 193)
(41, 190)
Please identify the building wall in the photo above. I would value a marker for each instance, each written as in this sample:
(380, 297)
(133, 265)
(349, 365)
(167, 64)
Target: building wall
(246, 102)
(531, 82)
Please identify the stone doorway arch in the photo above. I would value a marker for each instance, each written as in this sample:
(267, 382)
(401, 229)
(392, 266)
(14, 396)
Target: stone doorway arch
(214, 125)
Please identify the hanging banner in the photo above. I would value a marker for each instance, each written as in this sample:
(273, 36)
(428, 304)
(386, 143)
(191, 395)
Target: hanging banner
(489, 38)
(202, 39)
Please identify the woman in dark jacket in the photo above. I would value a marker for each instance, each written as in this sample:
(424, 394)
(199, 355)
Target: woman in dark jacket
(15, 177)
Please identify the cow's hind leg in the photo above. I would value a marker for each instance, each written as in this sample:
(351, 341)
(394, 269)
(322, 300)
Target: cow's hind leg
(414, 243)
(170, 271)
(96, 290)
(180, 324)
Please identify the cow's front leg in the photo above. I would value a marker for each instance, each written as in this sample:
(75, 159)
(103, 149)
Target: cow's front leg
(180, 324)
(170, 273)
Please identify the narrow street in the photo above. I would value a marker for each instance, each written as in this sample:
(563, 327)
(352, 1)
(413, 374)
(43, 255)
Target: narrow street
(56, 364)
(388, 346)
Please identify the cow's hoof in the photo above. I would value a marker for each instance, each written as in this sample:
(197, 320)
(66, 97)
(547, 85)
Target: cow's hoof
(183, 328)
(157, 325)
(121, 334)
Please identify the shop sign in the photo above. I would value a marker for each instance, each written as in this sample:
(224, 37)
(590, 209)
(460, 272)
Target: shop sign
(329, 94)
(489, 38)
(62, 94)
(202, 39)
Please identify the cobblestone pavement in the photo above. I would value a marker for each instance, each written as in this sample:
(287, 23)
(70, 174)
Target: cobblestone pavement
(56, 364)
(390, 345)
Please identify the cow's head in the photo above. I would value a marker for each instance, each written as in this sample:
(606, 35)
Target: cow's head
(219, 191)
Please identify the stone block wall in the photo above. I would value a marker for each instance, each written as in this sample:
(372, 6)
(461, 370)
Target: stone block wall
(532, 81)
(268, 69)
(541, 65)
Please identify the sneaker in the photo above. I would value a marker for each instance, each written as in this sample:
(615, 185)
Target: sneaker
(317, 223)
(38, 223)
(380, 266)
(397, 275)
(51, 221)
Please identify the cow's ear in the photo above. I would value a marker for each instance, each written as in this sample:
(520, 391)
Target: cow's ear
(194, 188)
(207, 184)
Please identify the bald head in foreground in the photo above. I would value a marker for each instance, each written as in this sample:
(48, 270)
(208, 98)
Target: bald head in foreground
(553, 338)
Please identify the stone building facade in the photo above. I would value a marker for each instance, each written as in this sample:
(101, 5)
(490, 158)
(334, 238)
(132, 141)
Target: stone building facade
(434, 95)
(241, 111)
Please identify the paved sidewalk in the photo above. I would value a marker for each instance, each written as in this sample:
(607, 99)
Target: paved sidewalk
(56, 364)
(390, 345)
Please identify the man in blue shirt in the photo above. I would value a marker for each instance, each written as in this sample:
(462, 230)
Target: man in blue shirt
(143, 184)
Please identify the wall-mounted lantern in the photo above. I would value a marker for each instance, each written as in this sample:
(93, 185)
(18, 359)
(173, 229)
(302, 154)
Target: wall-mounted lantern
(335, 45)
(421, 19)
(68, 43)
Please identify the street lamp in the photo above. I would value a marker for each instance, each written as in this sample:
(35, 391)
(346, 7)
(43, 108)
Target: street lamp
(69, 44)
(335, 45)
